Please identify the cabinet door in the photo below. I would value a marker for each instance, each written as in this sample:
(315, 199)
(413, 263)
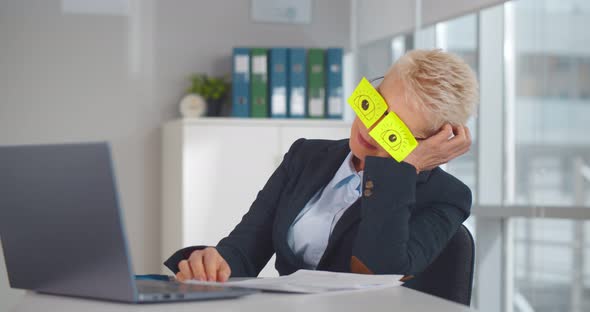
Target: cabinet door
(225, 167)
(290, 134)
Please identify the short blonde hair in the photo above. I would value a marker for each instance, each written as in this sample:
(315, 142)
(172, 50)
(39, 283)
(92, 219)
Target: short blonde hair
(439, 83)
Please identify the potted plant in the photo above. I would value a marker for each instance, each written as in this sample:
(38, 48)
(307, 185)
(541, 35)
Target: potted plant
(212, 89)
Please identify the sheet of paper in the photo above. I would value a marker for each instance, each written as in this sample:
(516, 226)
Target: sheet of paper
(307, 281)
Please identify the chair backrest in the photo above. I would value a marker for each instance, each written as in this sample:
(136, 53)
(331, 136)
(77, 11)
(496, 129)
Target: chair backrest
(450, 275)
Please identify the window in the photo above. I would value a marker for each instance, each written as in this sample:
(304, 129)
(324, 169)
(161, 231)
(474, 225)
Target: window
(537, 78)
(551, 52)
(550, 101)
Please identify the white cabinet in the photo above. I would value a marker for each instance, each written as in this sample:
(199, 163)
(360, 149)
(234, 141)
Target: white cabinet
(213, 169)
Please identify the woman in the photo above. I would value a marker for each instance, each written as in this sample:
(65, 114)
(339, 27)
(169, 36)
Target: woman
(347, 205)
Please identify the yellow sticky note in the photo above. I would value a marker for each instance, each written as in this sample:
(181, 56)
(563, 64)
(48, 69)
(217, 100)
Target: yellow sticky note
(394, 136)
(367, 103)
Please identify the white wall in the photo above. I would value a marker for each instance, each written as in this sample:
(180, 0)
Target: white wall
(434, 11)
(378, 19)
(117, 76)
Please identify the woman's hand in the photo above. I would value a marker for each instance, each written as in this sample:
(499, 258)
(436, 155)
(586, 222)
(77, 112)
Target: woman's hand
(449, 143)
(204, 265)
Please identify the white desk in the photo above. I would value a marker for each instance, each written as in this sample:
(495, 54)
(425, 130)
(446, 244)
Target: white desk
(388, 299)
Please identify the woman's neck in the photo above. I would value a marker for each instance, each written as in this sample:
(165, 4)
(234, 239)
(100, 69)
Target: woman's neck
(359, 165)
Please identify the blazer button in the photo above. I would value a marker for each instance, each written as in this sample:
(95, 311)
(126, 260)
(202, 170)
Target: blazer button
(368, 192)
(369, 184)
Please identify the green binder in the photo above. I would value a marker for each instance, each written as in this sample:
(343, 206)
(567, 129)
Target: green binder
(259, 83)
(316, 95)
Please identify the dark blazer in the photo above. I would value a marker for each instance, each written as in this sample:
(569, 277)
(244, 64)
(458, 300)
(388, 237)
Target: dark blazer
(398, 226)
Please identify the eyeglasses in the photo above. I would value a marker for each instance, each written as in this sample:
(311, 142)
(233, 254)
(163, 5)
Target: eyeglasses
(372, 82)
(385, 127)
(375, 79)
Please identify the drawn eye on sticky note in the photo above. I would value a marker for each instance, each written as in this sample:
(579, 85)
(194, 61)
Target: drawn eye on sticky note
(367, 103)
(394, 136)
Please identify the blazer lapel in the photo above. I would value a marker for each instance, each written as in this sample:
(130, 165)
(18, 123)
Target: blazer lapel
(316, 174)
(351, 216)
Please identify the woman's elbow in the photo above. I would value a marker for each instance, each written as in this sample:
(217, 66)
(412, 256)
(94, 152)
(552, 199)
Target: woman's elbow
(400, 264)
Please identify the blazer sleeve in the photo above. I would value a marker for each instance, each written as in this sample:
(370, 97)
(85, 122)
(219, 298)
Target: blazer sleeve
(390, 240)
(248, 247)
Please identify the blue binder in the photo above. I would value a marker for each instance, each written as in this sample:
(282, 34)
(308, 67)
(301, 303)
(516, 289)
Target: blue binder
(279, 102)
(297, 89)
(241, 82)
(334, 93)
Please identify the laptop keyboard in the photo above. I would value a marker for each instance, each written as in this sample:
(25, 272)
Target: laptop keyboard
(154, 287)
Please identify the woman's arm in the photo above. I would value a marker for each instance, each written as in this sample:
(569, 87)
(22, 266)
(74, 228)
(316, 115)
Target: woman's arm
(391, 240)
(248, 247)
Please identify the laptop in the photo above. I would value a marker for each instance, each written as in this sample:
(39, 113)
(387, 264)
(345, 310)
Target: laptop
(62, 231)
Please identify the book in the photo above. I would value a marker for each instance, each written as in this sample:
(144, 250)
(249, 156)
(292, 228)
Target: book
(259, 83)
(278, 82)
(241, 82)
(297, 83)
(334, 93)
(316, 94)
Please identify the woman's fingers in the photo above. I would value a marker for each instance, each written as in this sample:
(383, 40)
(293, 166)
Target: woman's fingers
(197, 266)
(185, 272)
(204, 265)
(460, 143)
(448, 143)
(459, 132)
(459, 135)
(224, 272)
(442, 135)
(211, 265)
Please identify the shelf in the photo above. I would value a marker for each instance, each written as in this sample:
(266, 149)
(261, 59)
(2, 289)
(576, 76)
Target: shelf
(261, 121)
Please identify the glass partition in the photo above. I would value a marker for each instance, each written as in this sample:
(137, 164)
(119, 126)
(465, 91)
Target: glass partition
(549, 99)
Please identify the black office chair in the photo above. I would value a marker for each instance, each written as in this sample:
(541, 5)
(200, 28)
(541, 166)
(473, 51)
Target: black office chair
(450, 276)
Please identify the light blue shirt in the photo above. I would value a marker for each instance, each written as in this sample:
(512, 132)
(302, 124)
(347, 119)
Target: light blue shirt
(309, 234)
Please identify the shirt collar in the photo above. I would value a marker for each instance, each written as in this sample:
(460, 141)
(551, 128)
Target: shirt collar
(346, 170)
